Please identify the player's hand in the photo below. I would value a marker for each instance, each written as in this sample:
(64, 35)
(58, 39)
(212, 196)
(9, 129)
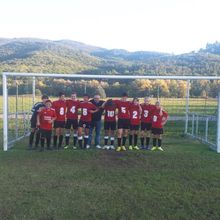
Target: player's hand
(51, 121)
(38, 124)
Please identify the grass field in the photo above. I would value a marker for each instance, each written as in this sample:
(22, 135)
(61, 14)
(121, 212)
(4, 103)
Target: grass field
(180, 183)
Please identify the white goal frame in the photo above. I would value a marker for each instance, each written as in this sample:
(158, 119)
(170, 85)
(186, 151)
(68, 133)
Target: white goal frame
(5, 75)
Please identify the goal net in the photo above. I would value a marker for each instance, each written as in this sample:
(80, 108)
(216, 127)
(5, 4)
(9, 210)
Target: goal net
(192, 102)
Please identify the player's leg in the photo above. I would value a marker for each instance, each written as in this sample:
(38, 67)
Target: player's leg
(48, 138)
(55, 135)
(37, 140)
(61, 129)
(154, 141)
(120, 132)
(80, 132)
(42, 139)
(125, 134)
(98, 125)
(131, 134)
(106, 137)
(112, 137)
(136, 138)
(86, 137)
(89, 142)
(142, 135)
(67, 133)
(148, 135)
(75, 133)
(159, 140)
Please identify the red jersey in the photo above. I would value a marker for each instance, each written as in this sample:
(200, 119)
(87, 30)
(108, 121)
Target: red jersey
(46, 115)
(60, 109)
(110, 113)
(86, 107)
(135, 114)
(157, 119)
(123, 109)
(147, 111)
(72, 109)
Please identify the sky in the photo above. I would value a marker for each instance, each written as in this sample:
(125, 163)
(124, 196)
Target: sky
(173, 26)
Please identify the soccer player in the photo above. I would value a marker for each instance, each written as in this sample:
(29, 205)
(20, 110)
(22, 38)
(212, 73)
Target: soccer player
(87, 108)
(34, 129)
(72, 106)
(135, 115)
(59, 124)
(45, 119)
(96, 121)
(159, 119)
(146, 121)
(123, 120)
(109, 124)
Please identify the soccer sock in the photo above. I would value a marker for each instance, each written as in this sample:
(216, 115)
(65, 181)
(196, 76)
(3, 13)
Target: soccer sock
(67, 138)
(130, 139)
(159, 142)
(74, 139)
(119, 142)
(135, 139)
(112, 141)
(48, 142)
(37, 138)
(154, 142)
(60, 140)
(80, 141)
(31, 138)
(147, 141)
(142, 141)
(106, 140)
(124, 141)
(42, 142)
(55, 140)
(86, 137)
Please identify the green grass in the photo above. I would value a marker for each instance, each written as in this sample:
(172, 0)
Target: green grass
(180, 183)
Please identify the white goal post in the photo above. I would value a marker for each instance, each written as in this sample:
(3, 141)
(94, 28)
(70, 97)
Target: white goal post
(5, 75)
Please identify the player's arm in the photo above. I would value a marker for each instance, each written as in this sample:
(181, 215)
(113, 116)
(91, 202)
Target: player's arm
(38, 119)
(53, 118)
(165, 118)
(140, 109)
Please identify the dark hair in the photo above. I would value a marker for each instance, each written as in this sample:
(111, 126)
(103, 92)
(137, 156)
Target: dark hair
(61, 93)
(124, 94)
(44, 97)
(110, 103)
(49, 101)
(135, 98)
(86, 95)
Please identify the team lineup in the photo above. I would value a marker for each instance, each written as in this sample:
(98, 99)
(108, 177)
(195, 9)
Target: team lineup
(80, 119)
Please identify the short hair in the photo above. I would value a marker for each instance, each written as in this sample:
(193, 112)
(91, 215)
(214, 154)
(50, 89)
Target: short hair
(44, 97)
(61, 93)
(124, 94)
(86, 95)
(136, 98)
(48, 101)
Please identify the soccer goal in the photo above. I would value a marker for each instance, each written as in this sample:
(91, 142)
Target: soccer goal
(193, 102)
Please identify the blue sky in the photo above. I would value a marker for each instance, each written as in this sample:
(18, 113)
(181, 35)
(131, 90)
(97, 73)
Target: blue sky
(174, 26)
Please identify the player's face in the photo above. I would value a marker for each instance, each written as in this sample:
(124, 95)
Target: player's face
(73, 97)
(62, 97)
(124, 98)
(136, 101)
(146, 101)
(96, 98)
(44, 100)
(85, 98)
(158, 106)
(48, 104)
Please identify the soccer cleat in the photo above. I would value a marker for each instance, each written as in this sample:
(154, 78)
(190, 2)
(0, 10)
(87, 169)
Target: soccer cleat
(143, 148)
(130, 147)
(123, 148)
(74, 147)
(105, 147)
(87, 146)
(118, 149)
(136, 148)
(111, 147)
(98, 147)
(148, 148)
(154, 148)
(66, 147)
(160, 148)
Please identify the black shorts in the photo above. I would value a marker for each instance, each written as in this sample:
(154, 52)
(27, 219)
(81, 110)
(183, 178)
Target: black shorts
(84, 124)
(59, 124)
(146, 126)
(110, 125)
(72, 123)
(123, 123)
(134, 127)
(45, 133)
(157, 131)
(33, 122)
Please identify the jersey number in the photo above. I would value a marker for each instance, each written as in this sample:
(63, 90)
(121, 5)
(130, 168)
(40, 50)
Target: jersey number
(123, 110)
(61, 111)
(155, 118)
(110, 114)
(146, 113)
(134, 116)
(84, 111)
(73, 109)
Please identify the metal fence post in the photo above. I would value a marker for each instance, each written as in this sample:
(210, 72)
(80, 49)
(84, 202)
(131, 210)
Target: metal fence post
(193, 118)
(218, 126)
(197, 125)
(187, 107)
(206, 128)
(5, 112)
(34, 90)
